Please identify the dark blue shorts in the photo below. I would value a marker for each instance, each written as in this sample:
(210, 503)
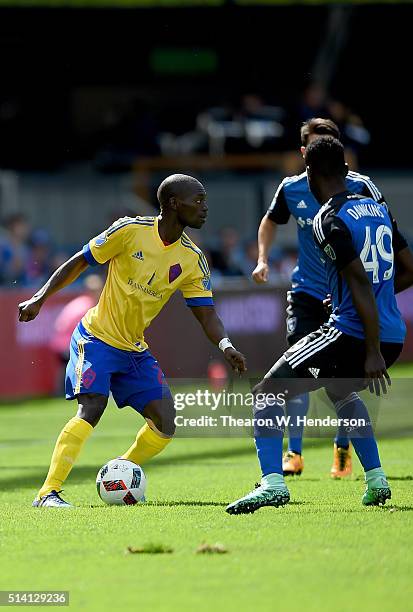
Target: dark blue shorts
(96, 367)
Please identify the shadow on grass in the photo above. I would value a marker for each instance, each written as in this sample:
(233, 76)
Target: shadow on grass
(201, 503)
(33, 476)
(401, 508)
(186, 503)
(172, 504)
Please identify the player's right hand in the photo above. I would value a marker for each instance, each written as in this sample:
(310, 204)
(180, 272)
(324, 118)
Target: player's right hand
(377, 376)
(260, 274)
(29, 309)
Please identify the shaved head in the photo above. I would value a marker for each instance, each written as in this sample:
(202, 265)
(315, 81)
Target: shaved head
(178, 186)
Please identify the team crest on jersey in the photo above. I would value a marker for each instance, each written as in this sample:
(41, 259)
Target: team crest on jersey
(206, 283)
(101, 239)
(328, 250)
(174, 272)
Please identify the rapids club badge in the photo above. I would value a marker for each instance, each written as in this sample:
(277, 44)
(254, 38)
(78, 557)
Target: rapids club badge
(174, 272)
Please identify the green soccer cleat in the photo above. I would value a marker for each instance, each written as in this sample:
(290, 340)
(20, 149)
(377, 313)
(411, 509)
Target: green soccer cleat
(260, 497)
(377, 490)
(376, 496)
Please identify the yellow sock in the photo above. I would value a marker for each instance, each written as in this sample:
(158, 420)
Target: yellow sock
(148, 443)
(66, 451)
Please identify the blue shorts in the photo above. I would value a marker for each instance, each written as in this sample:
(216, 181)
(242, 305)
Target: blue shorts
(96, 367)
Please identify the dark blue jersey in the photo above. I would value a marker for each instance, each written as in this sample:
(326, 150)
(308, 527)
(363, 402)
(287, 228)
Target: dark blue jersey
(293, 197)
(351, 226)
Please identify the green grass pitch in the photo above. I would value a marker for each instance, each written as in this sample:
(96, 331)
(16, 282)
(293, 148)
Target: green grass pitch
(324, 551)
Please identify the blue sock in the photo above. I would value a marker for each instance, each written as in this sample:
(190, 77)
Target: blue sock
(367, 452)
(269, 438)
(297, 407)
(362, 438)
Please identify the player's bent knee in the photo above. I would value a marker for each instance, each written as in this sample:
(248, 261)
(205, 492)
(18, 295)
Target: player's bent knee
(168, 426)
(91, 406)
(280, 370)
(267, 386)
(275, 379)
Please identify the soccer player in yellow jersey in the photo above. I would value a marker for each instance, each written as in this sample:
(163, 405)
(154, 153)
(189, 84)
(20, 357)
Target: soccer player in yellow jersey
(149, 259)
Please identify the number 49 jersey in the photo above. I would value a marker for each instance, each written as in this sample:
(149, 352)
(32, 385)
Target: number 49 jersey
(351, 226)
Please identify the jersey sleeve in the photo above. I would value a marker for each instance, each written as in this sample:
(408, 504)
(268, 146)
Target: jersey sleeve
(278, 210)
(399, 241)
(197, 289)
(106, 245)
(333, 237)
(370, 190)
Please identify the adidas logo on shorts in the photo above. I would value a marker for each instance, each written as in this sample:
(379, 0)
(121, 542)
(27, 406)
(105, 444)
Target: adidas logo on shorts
(138, 255)
(314, 371)
(301, 204)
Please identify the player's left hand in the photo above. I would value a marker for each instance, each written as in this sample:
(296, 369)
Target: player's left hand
(328, 305)
(236, 360)
(377, 376)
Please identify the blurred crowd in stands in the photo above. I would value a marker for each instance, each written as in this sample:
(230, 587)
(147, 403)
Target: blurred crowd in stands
(250, 125)
(28, 256)
(231, 256)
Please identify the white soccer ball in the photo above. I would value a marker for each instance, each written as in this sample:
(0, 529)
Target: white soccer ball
(121, 482)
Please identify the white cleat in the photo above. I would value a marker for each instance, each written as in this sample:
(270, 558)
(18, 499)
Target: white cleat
(51, 500)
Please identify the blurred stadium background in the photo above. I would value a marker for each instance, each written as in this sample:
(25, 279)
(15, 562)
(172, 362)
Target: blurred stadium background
(100, 100)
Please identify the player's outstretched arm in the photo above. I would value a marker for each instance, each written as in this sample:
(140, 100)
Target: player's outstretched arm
(403, 278)
(365, 304)
(215, 331)
(63, 276)
(266, 236)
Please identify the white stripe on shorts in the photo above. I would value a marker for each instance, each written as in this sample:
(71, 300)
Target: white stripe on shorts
(79, 365)
(306, 346)
(330, 337)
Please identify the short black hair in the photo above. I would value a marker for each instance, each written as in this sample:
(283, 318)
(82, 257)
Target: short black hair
(178, 186)
(320, 127)
(325, 157)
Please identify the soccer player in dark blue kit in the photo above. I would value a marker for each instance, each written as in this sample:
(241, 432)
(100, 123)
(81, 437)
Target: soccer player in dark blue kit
(367, 261)
(305, 310)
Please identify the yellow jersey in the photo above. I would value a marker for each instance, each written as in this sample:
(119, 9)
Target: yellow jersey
(143, 274)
